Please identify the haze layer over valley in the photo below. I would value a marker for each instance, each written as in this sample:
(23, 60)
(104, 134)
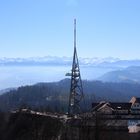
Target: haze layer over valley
(17, 72)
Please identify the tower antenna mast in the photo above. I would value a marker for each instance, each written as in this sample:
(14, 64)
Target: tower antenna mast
(76, 88)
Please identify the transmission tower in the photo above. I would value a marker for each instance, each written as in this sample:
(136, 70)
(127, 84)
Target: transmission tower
(76, 89)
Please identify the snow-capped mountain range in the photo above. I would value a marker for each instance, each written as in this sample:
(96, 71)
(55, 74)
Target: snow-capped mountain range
(95, 60)
(56, 61)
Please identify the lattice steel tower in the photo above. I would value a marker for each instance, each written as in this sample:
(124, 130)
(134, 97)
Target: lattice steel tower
(76, 88)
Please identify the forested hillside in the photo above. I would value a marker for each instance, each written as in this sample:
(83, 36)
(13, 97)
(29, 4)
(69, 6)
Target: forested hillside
(54, 96)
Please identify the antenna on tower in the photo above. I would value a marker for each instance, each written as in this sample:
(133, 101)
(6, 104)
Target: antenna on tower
(76, 88)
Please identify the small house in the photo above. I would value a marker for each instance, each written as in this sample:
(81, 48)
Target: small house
(135, 107)
(111, 108)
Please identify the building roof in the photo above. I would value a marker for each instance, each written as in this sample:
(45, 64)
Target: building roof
(135, 100)
(106, 105)
(112, 105)
(96, 106)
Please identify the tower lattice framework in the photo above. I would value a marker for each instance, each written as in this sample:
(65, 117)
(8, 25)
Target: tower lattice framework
(76, 88)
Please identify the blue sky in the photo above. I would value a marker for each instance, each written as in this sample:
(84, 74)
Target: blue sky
(105, 28)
